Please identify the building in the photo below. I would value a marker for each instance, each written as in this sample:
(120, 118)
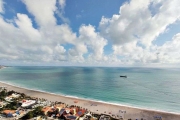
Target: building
(28, 103)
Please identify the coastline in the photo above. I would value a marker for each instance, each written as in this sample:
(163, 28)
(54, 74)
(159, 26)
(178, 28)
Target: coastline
(2, 67)
(97, 106)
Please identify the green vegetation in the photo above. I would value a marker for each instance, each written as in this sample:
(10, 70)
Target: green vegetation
(36, 112)
(11, 105)
(3, 93)
(29, 115)
(14, 103)
(113, 118)
(10, 92)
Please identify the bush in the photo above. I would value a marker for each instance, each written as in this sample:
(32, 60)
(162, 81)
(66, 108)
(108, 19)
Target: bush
(3, 93)
(11, 105)
(29, 115)
(10, 92)
(36, 112)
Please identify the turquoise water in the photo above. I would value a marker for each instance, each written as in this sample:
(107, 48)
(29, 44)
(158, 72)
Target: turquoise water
(149, 88)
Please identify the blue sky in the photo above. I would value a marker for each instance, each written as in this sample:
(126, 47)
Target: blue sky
(143, 33)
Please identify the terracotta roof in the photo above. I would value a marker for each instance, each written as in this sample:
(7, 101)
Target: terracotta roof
(9, 111)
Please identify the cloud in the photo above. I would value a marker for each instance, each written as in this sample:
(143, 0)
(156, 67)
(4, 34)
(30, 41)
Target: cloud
(130, 32)
(135, 21)
(94, 41)
(44, 16)
(1, 6)
(61, 12)
(62, 4)
(136, 26)
(25, 26)
(170, 51)
(28, 44)
(21, 42)
(88, 42)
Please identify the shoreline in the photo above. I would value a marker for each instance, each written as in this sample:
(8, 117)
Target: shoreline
(91, 100)
(96, 106)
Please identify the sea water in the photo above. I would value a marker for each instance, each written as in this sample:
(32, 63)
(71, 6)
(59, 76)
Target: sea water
(148, 88)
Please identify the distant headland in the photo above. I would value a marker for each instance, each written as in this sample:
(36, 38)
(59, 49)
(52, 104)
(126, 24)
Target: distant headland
(2, 66)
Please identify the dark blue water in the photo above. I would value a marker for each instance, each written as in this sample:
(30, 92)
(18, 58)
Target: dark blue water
(144, 87)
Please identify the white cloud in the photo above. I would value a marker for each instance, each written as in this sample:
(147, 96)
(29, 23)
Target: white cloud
(46, 49)
(76, 54)
(136, 26)
(131, 32)
(43, 11)
(1, 6)
(62, 4)
(60, 11)
(94, 41)
(29, 44)
(60, 49)
(25, 26)
(170, 51)
(26, 43)
(59, 34)
(135, 21)
(88, 42)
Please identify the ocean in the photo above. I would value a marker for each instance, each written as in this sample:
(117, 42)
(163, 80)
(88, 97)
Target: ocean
(147, 88)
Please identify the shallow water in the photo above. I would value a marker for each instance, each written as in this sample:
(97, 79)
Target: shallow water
(144, 87)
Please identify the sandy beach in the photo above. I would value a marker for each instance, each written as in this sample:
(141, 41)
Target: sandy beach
(98, 107)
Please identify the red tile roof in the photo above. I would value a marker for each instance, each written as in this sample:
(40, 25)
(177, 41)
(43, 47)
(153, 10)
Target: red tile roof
(9, 111)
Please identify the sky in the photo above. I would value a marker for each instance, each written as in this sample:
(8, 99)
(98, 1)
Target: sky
(118, 33)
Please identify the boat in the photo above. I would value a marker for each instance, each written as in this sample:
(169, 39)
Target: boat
(124, 76)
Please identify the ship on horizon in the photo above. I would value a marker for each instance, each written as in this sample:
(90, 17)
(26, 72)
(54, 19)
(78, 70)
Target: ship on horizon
(124, 76)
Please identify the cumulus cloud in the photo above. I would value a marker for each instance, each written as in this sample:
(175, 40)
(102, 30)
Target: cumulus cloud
(88, 42)
(136, 26)
(170, 51)
(29, 44)
(94, 41)
(25, 26)
(131, 33)
(44, 15)
(135, 21)
(26, 43)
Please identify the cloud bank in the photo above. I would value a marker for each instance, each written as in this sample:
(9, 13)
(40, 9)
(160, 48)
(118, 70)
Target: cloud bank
(129, 34)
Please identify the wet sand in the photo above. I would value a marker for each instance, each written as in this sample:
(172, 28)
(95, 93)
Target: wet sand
(98, 107)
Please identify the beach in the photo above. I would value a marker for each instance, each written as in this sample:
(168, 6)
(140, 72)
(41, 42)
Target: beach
(97, 107)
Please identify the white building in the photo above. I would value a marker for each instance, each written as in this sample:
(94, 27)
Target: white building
(28, 103)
